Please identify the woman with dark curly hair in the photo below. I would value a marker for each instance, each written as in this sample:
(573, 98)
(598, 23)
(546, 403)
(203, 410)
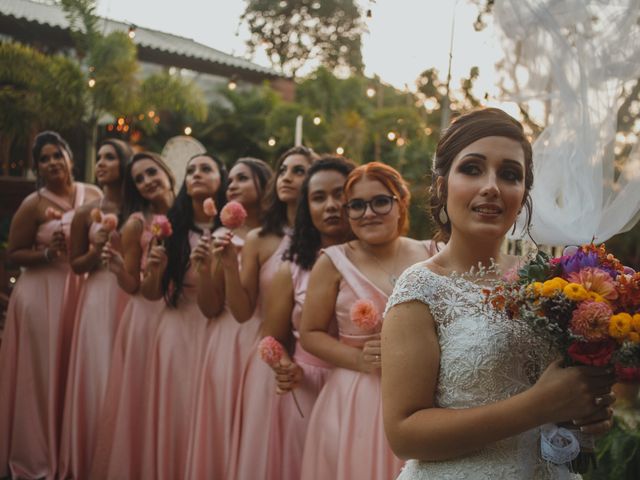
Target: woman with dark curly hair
(35, 340)
(320, 223)
(98, 310)
(246, 287)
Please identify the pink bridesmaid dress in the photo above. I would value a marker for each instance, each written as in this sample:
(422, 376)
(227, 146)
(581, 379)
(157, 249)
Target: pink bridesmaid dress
(99, 308)
(120, 436)
(175, 366)
(33, 357)
(345, 437)
(288, 429)
(217, 393)
(257, 390)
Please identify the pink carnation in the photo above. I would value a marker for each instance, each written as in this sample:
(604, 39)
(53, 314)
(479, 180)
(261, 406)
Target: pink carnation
(270, 351)
(595, 280)
(591, 320)
(364, 315)
(109, 222)
(233, 215)
(52, 213)
(161, 227)
(209, 207)
(96, 215)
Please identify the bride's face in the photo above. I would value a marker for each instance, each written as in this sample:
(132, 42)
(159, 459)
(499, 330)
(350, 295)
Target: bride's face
(486, 188)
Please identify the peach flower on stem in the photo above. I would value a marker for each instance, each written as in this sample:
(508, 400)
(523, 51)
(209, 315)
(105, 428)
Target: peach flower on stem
(271, 352)
(365, 315)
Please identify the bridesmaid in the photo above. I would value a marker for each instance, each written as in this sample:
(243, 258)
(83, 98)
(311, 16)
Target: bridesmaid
(217, 388)
(320, 222)
(148, 191)
(99, 307)
(345, 437)
(180, 271)
(32, 367)
(261, 257)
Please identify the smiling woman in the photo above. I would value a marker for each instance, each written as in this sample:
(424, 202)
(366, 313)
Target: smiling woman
(364, 269)
(466, 390)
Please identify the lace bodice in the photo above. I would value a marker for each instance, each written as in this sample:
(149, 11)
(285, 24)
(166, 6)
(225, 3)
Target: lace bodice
(484, 358)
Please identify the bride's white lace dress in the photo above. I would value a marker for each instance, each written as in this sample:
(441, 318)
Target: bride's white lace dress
(484, 357)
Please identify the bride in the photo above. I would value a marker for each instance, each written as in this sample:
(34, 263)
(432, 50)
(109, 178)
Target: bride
(465, 390)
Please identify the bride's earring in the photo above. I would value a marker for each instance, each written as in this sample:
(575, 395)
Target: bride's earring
(443, 217)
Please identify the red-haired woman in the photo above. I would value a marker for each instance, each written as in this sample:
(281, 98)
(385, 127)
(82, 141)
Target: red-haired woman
(345, 439)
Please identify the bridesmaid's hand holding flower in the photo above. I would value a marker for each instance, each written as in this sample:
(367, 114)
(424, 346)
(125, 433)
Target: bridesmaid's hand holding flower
(201, 254)
(224, 249)
(370, 358)
(157, 259)
(58, 246)
(288, 375)
(112, 258)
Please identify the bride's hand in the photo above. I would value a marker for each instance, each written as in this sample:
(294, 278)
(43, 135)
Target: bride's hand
(580, 392)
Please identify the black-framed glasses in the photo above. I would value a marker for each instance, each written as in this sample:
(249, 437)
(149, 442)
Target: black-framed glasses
(380, 205)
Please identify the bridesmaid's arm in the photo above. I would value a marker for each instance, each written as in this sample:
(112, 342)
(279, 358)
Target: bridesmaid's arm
(417, 428)
(241, 287)
(22, 237)
(277, 322)
(151, 286)
(126, 268)
(317, 314)
(210, 281)
(83, 255)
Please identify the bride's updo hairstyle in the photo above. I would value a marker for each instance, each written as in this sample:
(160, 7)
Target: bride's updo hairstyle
(463, 131)
(392, 180)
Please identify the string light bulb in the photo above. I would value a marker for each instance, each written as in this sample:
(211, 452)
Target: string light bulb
(187, 130)
(92, 82)
(391, 136)
(271, 142)
(317, 120)
(132, 31)
(340, 151)
(371, 92)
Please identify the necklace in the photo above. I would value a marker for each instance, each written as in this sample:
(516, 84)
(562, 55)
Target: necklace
(392, 278)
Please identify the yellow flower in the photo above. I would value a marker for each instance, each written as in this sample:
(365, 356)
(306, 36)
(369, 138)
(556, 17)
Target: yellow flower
(575, 292)
(634, 337)
(596, 297)
(620, 325)
(535, 288)
(635, 323)
(553, 286)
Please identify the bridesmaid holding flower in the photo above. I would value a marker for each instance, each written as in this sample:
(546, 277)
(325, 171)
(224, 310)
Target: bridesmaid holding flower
(345, 437)
(34, 344)
(245, 289)
(148, 192)
(98, 310)
(217, 389)
(320, 222)
(182, 272)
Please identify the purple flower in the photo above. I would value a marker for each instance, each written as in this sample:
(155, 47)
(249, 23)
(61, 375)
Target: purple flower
(575, 263)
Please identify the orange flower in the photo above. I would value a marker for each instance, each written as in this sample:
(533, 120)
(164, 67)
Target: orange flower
(595, 280)
(590, 320)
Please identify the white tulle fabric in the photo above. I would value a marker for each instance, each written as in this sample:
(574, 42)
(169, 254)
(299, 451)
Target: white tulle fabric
(484, 358)
(577, 57)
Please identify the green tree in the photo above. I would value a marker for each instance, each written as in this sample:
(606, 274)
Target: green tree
(52, 98)
(111, 65)
(296, 31)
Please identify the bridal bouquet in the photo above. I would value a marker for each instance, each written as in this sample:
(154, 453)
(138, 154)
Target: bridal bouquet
(587, 305)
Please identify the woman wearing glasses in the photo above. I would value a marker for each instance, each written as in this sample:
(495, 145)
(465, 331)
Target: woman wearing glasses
(351, 283)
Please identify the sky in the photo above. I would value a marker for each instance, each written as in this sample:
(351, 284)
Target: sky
(405, 36)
